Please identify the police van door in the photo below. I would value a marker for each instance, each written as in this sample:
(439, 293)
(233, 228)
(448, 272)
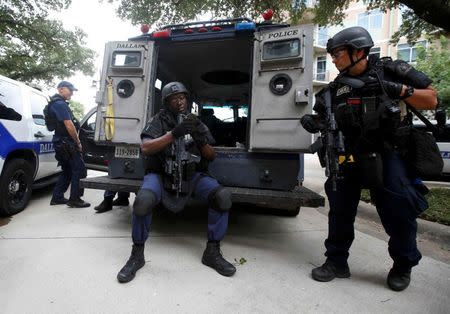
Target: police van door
(281, 89)
(123, 98)
(40, 136)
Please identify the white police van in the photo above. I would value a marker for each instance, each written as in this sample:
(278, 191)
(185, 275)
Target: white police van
(27, 157)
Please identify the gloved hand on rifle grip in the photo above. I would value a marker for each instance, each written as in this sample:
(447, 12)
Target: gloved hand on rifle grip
(392, 89)
(183, 128)
(312, 123)
(192, 117)
(200, 134)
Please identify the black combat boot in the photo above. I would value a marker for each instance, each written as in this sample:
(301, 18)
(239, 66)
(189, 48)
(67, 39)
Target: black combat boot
(105, 205)
(58, 201)
(78, 203)
(328, 271)
(134, 263)
(398, 279)
(212, 257)
(121, 201)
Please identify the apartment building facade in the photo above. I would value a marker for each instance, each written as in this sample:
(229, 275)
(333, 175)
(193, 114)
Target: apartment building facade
(381, 25)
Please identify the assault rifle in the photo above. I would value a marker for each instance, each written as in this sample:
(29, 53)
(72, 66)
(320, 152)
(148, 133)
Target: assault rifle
(330, 143)
(180, 163)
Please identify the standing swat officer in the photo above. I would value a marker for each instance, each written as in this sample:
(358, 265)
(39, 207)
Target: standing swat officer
(67, 148)
(159, 138)
(363, 101)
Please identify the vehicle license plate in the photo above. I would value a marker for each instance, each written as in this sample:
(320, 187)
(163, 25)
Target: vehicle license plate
(126, 152)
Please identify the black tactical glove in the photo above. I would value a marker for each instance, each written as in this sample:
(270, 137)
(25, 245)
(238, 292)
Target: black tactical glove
(312, 123)
(392, 89)
(183, 128)
(192, 117)
(200, 134)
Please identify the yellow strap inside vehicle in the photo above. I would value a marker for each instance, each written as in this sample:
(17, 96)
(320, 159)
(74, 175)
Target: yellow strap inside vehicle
(109, 121)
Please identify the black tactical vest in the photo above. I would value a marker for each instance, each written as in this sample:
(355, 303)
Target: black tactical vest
(366, 116)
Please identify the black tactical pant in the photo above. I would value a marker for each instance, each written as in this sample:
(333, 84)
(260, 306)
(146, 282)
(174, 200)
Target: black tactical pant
(73, 169)
(397, 204)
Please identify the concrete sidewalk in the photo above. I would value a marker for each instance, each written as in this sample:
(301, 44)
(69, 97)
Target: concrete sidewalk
(62, 260)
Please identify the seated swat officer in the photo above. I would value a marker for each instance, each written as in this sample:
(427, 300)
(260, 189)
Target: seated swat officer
(363, 107)
(178, 151)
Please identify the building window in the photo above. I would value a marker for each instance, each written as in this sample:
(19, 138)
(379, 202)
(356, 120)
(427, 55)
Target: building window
(375, 51)
(321, 68)
(322, 36)
(407, 52)
(373, 22)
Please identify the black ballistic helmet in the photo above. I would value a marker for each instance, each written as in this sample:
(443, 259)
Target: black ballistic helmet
(173, 88)
(355, 37)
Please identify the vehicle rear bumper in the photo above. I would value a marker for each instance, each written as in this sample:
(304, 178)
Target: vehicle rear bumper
(298, 197)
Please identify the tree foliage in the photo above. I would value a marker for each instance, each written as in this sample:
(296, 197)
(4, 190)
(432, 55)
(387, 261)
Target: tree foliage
(34, 47)
(418, 16)
(160, 13)
(77, 109)
(435, 63)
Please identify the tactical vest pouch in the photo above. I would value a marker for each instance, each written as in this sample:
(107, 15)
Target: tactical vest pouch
(347, 118)
(420, 151)
(370, 113)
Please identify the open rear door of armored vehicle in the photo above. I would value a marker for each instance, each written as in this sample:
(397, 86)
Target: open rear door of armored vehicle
(282, 89)
(125, 102)
(125, 84)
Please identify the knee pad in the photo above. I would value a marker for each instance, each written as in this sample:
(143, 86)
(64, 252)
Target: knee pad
(144, 202)
(220, 199)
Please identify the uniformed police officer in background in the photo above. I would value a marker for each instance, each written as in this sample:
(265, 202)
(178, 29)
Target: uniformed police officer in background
(157, 139)
(372, 160)
(67, 148)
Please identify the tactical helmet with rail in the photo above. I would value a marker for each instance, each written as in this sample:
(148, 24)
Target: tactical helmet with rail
(173, 88)
(354, 37)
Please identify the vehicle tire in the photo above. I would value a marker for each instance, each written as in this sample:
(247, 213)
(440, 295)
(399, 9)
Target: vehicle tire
(15, 186)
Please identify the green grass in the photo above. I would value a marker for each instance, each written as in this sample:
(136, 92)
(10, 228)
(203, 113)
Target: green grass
(365, 196)
(439, 210)
(438, 200)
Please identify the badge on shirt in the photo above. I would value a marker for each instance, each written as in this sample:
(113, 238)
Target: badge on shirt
(343, 90)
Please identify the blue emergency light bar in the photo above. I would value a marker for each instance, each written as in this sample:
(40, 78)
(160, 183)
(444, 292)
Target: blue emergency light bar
(245, 26)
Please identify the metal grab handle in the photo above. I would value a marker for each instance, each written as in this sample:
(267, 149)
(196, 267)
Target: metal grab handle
(122, 118)
(141, 76)
(275, 119)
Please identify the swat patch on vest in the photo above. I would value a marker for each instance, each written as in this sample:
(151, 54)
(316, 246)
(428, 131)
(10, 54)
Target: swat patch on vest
(343, 90)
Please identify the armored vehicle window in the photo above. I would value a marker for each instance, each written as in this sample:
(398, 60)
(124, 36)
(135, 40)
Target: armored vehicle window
(281, 49)
(126, 59)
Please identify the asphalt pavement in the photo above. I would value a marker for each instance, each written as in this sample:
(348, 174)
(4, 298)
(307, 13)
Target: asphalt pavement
(56, 259)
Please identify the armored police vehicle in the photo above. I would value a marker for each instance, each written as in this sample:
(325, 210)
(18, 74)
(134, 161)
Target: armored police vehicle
(249, 83)
(27, 157)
